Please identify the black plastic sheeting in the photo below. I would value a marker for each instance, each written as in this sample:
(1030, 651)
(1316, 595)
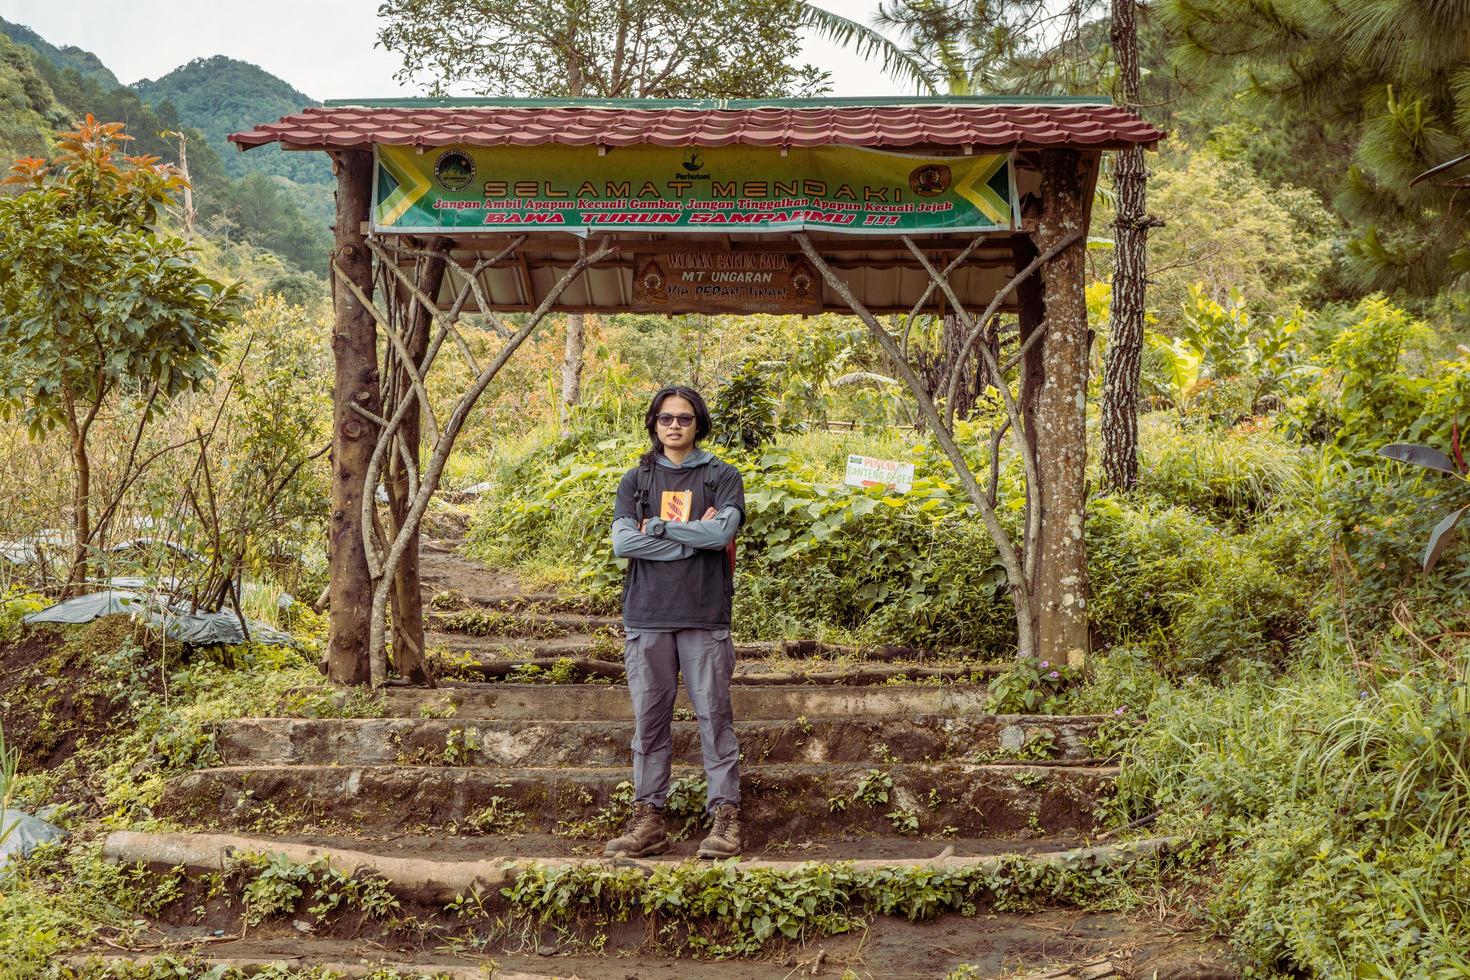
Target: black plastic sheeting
(21, 833)
(178, 624)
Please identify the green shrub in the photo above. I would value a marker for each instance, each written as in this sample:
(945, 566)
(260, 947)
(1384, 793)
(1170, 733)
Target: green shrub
(1244, 611)
(1231, 476)
(1227, 578)
(815, 557)
(745, 410)
(1380, 382)
(1335, 796)
(1031, 687)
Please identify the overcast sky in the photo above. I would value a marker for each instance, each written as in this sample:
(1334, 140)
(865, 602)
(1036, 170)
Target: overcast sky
(322, 47)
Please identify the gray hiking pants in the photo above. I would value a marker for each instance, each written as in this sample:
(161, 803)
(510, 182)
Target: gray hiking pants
(654, 662)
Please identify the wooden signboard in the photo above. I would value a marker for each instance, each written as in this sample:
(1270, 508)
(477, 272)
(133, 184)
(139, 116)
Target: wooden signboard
(725, 282)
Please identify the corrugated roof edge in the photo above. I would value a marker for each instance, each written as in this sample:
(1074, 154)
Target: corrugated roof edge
(707, 104)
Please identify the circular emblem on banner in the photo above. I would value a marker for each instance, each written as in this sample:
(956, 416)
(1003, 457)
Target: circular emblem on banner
(929, 180)
(454, 169)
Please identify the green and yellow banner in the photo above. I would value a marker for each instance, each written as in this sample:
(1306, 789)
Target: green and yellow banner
(729, 189)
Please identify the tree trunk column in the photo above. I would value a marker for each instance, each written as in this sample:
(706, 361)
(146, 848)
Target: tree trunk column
(571, 368)
(1061, 420)
(408, 600)
(354, 349)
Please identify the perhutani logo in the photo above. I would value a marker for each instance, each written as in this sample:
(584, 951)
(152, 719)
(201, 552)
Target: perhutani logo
(930, 180)
(693, 167)
(454, 169)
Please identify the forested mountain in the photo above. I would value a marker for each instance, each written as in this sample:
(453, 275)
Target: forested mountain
(220, 96)
(277, 202)
(86, 64)
(28, 108)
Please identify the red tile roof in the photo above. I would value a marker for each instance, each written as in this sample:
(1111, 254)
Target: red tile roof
(983, 126)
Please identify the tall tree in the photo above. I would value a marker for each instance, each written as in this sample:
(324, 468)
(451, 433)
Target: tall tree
(616, 49)
(94, 303)
(975, 47)
(1124, 360)
(1395, 74)
(1035, 47)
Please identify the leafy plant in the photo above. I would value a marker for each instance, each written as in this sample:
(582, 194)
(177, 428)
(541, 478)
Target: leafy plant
(276, 885)
(1222, 347)
(904, 821)
(97, 304)
(1432, 459)
(726, 909)
(500, 816)
(1029, 686)
(874, 787)
(1038, 745)
(745, 410)
(460, 746)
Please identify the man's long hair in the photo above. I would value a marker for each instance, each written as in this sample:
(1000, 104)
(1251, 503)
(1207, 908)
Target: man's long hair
(701, 418)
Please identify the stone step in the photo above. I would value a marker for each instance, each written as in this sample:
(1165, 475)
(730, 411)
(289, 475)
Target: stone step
(607, 702)
(779, 801)
(602, 643)
(471, 742)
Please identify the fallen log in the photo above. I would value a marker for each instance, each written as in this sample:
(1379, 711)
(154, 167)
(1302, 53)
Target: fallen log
(856, 676)
(440, 882)
(880, 653)
(582, 665)
(272, 963)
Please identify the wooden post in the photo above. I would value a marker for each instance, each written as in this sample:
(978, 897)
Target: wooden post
(1032, 313)
(354, 349)
(408, 600)
(1060, 578)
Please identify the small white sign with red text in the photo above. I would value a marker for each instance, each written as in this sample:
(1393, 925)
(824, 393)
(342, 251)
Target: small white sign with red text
(866, 471)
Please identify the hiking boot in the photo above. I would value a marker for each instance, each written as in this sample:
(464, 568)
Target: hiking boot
(646, 834)
(724, 837)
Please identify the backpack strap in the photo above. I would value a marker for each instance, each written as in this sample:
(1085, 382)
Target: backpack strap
(711, 483)
(643, 491)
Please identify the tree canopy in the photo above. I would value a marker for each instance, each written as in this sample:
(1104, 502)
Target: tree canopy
(1394, 74)
(622, 49)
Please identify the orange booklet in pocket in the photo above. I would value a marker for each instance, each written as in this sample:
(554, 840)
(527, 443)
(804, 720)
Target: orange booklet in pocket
(676, 504)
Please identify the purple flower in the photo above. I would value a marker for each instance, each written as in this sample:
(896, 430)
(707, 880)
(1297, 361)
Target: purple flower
(1054, 674)
(1045, 664)
(1119, 710)
(1362, 695)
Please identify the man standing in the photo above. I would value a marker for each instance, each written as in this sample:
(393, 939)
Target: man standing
(676, 613)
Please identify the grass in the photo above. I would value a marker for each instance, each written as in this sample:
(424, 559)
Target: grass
(9, 763)
(1329, 805)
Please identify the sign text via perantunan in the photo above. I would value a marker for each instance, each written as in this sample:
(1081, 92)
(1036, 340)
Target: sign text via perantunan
(728, 189)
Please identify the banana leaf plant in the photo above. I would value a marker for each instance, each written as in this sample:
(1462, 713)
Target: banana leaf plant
(1453, 464)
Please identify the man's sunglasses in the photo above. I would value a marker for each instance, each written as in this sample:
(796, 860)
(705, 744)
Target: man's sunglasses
(665, 419)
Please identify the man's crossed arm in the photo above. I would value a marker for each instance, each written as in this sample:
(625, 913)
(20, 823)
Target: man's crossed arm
(674, 540)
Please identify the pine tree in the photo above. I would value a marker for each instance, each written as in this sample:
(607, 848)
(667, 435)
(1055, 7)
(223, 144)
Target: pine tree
(1396, 72)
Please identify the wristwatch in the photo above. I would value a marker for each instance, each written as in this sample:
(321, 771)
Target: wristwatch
(657, 528)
